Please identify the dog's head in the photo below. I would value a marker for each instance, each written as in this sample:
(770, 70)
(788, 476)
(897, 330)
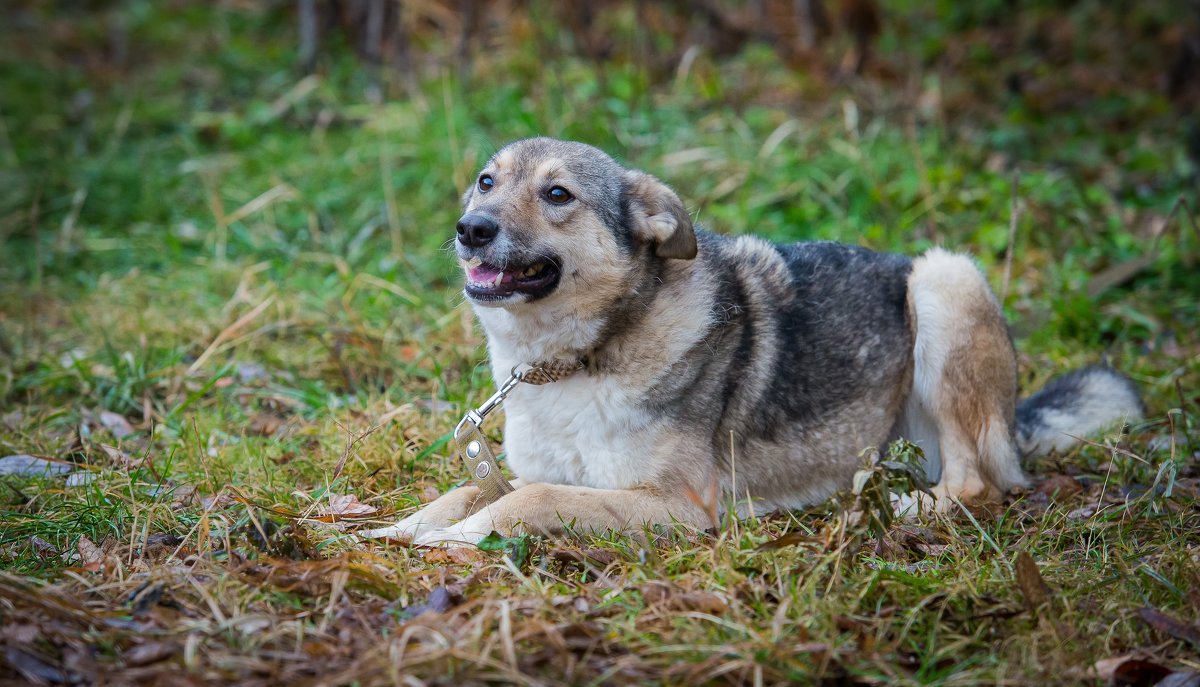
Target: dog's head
(556, 220)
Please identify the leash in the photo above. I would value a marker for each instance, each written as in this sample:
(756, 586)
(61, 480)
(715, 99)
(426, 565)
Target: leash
(473, 446)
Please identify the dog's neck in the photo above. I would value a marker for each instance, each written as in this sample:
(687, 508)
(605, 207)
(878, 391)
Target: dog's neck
(529, 335)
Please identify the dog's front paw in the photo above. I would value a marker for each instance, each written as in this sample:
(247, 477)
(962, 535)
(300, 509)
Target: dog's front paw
(468, 532)
(407, 530)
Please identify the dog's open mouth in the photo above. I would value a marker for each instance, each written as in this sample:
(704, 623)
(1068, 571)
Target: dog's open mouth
(487, 282)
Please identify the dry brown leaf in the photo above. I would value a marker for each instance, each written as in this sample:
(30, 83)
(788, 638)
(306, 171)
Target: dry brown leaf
(116, 424)
(150, 652)
(459, 555)
(704, 602)
(655, 592)
(1060, 487)
(1129, 671)
(1029, 578)
(1188, 632)
(662, 594)
(347, 505)
(33, 667)
(43, 548)
(91, 557)
(440, 600)
(217, 502)
(119, 457)
(18, 633)
(266, 424)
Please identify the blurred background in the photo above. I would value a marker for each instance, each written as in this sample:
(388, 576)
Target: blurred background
(154, 154)
(141, 131)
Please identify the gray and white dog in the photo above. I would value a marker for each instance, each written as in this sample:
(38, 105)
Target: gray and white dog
(762, 369)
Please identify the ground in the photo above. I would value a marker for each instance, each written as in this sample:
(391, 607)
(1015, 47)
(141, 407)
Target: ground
(227, 315)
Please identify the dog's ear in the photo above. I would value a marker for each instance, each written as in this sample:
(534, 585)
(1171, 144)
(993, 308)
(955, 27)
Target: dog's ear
(657, 216)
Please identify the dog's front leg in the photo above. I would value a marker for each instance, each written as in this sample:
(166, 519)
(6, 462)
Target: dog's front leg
(450, 507)
(550, 508)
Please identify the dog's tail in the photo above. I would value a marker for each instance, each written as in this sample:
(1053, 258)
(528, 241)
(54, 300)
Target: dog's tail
(1075, 405)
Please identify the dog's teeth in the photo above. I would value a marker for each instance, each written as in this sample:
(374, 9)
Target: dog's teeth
(499, 278)
(473, 263)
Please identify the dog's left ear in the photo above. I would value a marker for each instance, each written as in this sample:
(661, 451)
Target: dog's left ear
(657, 216)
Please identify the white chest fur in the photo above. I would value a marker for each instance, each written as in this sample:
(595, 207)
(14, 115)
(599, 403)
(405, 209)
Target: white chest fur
(583, 430)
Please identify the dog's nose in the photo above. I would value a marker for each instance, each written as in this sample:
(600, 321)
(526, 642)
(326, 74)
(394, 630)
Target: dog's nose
(476, 231)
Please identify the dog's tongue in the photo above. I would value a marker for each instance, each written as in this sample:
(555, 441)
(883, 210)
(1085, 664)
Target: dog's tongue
(486, 274)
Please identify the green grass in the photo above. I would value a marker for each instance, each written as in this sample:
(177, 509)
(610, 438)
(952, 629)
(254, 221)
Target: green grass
(263, 292)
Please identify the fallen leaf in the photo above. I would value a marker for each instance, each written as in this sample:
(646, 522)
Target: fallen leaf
(249, 372)
(1060, 487)
(598, 557)
(116, 424)
(13, 420)
(91, 557)
(25, 465)
(266, 424)
(1029, 578)
(32, 667)
(655, 592)
(119, 457)
(17, 633)
(346, 505)
(182, 496)
(217, 502)
(704, 602)
(665, 596)
(81, 479)
(150, 652)
(161, 540)
(1168, 625)
(1180, 679)
(440, 600)
(1082, 513)
(459, 555)
(43, 548)
(1138, 673)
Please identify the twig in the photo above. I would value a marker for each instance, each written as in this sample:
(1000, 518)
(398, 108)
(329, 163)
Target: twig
(1014, 215)
(228, 333)
(352, 441)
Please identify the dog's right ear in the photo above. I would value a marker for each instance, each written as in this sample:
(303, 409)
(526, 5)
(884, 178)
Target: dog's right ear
(657, 216)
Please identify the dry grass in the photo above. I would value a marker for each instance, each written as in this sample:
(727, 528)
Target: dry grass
(240, 331)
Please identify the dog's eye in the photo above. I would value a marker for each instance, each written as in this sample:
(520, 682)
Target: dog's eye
(558, 195)
(486, 183)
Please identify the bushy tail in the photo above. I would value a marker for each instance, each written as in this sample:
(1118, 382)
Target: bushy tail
(1075, 405)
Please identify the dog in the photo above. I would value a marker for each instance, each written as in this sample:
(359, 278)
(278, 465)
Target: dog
(766, 370)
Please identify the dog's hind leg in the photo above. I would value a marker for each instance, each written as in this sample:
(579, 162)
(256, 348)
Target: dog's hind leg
(964, 379)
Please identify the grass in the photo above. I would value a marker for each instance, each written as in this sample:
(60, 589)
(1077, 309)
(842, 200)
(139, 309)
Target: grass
(247, 266)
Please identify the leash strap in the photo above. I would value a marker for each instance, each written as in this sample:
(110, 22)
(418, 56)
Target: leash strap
(472, 444)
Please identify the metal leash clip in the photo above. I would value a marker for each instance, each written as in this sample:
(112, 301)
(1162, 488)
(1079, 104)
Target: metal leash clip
(473, 446)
